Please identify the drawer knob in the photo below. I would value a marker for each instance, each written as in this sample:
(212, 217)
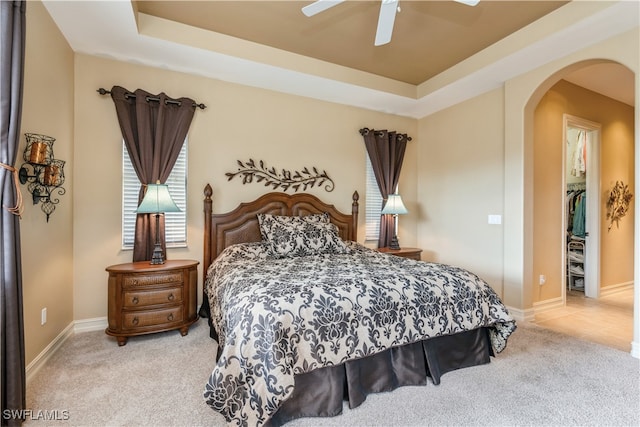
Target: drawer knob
(135, 281)
(170, 317)
(171, 297)
(134, 300)
(135, 320)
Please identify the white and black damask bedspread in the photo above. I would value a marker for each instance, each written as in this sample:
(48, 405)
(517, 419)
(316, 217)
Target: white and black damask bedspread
(277, 317)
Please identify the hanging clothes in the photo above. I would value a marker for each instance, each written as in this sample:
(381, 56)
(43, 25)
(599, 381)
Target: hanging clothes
(579, 155)
(575, 207)
(579, 215)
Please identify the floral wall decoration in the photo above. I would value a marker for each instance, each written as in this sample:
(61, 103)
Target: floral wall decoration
(618, 203)
(284, 179)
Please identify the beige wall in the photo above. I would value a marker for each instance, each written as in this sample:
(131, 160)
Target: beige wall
(47, 257)
(460, 183)
(616, 155)
(239, 123)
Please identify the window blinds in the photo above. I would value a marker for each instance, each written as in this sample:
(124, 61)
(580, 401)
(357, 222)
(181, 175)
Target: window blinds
(175, 222)
(373, 205)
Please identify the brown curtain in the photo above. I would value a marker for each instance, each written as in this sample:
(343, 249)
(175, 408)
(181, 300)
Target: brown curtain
(154, 128)
(386, 152)
(12, 354)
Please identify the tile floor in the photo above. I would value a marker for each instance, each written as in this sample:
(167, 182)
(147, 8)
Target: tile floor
(607, 320)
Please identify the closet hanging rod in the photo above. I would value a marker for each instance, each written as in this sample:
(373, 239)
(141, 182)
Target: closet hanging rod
(103, 91)
(577, 186)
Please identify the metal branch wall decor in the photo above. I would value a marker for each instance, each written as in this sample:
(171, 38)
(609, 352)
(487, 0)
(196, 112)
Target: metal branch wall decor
(285, 179)
(618, 203)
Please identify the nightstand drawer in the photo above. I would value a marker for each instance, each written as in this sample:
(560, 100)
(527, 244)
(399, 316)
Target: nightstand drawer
(132, 320)
(133, 299)
(133, 281)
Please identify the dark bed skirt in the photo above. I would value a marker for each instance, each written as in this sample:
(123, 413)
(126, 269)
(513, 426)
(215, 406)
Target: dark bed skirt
(320, 393)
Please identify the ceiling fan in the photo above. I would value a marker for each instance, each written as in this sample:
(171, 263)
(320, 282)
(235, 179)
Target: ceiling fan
(386, 19)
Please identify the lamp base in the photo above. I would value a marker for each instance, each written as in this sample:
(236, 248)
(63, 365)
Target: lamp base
(157, 257)
(395, 245)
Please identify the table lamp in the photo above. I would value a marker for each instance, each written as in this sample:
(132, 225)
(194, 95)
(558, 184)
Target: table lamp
(157, 200)
(395, 207)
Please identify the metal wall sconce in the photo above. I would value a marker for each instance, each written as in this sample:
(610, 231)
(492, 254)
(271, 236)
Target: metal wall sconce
(44, 174)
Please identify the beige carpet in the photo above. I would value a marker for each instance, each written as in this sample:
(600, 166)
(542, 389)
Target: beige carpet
(542, 378)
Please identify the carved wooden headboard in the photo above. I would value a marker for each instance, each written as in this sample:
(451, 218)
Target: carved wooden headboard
(241, 224)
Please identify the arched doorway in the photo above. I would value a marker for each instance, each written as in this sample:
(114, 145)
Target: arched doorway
(524, 151)
(570, 189)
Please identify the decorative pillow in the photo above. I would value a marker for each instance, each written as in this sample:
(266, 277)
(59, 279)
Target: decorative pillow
(312, 218)
(315, 218)
(290, 236)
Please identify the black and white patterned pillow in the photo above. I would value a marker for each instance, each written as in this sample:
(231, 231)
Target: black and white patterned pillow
(312, 218)
(290, 236)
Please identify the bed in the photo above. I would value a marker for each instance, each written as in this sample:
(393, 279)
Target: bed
(306, 318)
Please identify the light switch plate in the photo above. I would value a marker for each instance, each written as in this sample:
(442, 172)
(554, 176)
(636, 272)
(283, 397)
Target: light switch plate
(495, 219)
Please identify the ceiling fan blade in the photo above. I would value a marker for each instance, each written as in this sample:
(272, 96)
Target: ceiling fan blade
(385, 21)
(319, 6)
(468, 2)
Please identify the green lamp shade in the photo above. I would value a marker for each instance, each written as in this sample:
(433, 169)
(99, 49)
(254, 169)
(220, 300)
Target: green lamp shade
(394, 205)
(157, 200)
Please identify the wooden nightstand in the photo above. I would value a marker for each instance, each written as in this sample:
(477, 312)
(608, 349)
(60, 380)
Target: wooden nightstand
(413, 253)
(146, 298)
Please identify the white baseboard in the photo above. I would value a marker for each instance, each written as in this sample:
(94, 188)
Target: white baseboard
(90, 325)
(520, 315)
(553, 303)
(546, 305)
(619, 287)
(48, 351)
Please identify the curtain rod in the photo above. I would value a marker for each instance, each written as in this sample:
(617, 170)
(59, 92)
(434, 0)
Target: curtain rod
(103, 91)
(365, 131)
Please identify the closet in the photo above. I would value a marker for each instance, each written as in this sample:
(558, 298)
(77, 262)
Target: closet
(577, 141)
(581, 234)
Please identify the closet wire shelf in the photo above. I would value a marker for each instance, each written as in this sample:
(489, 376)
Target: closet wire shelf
(575, 265)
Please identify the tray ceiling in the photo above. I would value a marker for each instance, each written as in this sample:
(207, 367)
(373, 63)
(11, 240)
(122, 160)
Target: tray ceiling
(428, 36)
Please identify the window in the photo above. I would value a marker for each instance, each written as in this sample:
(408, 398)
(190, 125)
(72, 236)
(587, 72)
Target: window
(373, 205)
(175, 222)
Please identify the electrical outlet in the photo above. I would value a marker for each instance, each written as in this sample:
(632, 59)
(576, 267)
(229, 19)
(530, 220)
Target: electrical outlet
(43, 316)
(543, 279)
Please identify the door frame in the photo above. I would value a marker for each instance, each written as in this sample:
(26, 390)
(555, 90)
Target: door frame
(593, 191)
